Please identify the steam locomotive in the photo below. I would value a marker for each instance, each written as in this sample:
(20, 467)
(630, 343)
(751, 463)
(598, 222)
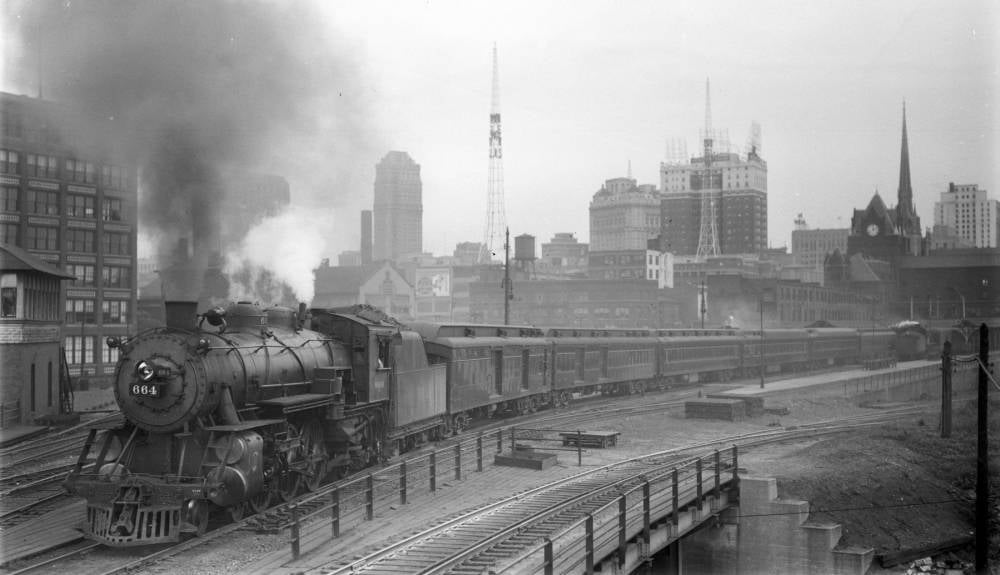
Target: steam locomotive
(255, 407)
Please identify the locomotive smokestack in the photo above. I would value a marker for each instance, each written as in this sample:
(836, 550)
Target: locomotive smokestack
(181, 314)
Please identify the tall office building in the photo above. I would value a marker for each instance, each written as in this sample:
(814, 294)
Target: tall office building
(624, 216)
(69, 197)
(968, 213)
(741, 208)
(366, 237)
(398, 209)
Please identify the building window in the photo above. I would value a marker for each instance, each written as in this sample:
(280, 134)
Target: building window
(8, 198)
(8, 295)
(79, 349)
(9, 163)
(80, 311)
(80, 171)
(42, 166)
(8, 233)
(12, 124)
(80, 206)
(111, 210)
(115, 244)
(109, 355)
(116, 277)
(84, 274)
(42, 202)
(114, 177)
(80, 240)
(114, 312)
(42, 238)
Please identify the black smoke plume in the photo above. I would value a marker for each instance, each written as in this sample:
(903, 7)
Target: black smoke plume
(196, 89)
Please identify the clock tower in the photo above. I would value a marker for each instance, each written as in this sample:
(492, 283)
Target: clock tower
(879, 232)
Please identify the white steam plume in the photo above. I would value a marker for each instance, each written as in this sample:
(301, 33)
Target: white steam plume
(282, 249)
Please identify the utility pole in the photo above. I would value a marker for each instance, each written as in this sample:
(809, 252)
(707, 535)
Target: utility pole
(704, 306)
(982, 458)
(763, 368)
(946, 390)
(507, 295)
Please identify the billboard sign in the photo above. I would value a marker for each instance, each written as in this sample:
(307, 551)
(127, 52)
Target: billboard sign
(433, 282)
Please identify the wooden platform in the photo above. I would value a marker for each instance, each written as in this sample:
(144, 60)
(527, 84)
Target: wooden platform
(590, 438)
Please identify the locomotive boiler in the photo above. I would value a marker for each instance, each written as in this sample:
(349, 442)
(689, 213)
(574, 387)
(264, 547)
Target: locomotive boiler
(228, 415)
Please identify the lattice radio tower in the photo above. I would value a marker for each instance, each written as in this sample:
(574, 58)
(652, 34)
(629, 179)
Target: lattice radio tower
(496, 213)
(708, 237)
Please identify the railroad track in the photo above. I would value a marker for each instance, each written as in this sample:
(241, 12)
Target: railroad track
(280, 517)
(494, 533)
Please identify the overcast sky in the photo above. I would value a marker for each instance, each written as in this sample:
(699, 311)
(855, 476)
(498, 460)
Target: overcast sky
(589, 86)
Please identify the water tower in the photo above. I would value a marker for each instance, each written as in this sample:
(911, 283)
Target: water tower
(524, 254)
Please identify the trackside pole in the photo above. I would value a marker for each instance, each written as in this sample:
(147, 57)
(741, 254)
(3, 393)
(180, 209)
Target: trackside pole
(946, 390)
(982, 458)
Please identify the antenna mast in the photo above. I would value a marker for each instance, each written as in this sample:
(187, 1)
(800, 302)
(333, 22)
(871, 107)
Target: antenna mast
(708, 237)
(496, 216)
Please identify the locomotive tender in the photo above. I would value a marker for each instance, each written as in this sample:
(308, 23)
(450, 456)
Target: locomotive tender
(253, 407)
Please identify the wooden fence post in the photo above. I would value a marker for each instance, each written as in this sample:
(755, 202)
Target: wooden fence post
(433, 471)
(622, 531)
(335, 511)
(295, 530)
(479, 453)
(549, 560)
(590, 544)
(402, 483)
(370, 497)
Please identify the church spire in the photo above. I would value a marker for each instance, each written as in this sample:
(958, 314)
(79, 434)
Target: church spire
(906, 214)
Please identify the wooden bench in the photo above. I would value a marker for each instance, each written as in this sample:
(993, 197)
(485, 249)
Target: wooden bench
(590, 438)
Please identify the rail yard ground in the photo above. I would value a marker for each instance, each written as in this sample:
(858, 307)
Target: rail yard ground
(894, 487)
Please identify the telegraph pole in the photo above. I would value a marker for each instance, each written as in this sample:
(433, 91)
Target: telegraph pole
(946, 390)
(982, 458)
(763, 368)
(506, 278)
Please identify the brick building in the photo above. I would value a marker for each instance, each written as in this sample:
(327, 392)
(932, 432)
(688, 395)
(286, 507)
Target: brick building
(740, 187)
(69, 197)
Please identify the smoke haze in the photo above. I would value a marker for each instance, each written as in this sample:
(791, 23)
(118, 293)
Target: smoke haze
(197, 89)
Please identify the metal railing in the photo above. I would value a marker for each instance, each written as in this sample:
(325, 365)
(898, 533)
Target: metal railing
(607, 531)
(351, 502)
(928, 375)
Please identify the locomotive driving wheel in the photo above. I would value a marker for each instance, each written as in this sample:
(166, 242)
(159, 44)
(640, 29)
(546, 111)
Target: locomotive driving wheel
(239, 511)
(314, 455)
(287, 477)
(259, 502)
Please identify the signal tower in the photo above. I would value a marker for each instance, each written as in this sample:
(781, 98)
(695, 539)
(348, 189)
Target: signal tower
(496, 216)
(708, 237)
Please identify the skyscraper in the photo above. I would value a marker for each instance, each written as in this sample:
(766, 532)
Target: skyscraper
(624, 216)
(740, 212)
(398, 210)
(968, 213)
(715, 204)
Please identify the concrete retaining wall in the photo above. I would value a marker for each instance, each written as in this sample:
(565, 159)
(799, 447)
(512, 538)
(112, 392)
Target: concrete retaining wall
(770, 535)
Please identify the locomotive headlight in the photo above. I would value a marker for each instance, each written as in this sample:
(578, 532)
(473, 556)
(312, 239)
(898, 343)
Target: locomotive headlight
(145, 371)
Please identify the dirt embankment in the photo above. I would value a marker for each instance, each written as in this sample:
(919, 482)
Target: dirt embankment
(895, 487)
